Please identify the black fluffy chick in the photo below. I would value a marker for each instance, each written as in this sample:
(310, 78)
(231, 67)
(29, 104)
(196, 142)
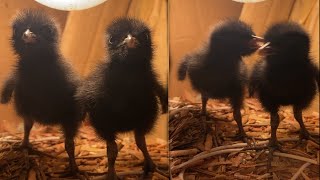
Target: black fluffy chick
(217, 71)
(121, 94)
(42, 83)
(286, 75)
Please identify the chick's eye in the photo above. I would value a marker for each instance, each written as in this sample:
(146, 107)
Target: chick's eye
(111, 40)
(147, 36)
(46, 30)
(50, 30)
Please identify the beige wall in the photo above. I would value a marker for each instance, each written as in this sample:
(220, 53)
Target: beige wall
(82, 39)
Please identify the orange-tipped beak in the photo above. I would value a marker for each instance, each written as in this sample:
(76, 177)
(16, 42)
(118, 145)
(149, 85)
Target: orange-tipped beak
(28, 36)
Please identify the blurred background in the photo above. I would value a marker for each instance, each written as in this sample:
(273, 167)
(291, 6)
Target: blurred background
(82, 42)
(190, 22)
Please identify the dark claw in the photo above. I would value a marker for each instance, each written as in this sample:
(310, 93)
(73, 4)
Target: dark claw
(25, 145)
(161, 172)
(240, 136)
(31, 150)
(113, 176)
(304, 135)
(273, 147)
(75, 173)
(270, 157)
(203, 114)
(149, 167)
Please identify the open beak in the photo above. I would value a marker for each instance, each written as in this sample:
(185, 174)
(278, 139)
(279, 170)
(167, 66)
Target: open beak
(261, 45)
(130, 41)
(29, 37)
(256, 42)
(258, 38)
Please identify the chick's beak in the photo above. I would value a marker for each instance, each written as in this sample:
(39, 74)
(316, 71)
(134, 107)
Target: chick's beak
(130, 41)
(256, 42)
(28, 36)
(265, 49)
(261, 45)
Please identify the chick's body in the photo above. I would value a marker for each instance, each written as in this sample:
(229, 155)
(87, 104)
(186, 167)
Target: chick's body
(124, 98)
(44, 90)
(42, 83)
(286, 74)
(217, 71)
(121, 94)
(218, 78)
(286, 83)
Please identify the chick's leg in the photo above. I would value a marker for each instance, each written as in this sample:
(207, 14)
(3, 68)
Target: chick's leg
(25, 144)
(149, 165)
(204, 100)
(70, 147)
(236, 105)
(273, 143)
(28, 123)
(112, 153)
(274, 126)
(304, 134)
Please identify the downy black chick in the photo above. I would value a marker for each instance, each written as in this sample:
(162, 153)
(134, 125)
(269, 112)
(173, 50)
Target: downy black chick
(217, 71)
(285, 75)
(42, 83)
(121, 94)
